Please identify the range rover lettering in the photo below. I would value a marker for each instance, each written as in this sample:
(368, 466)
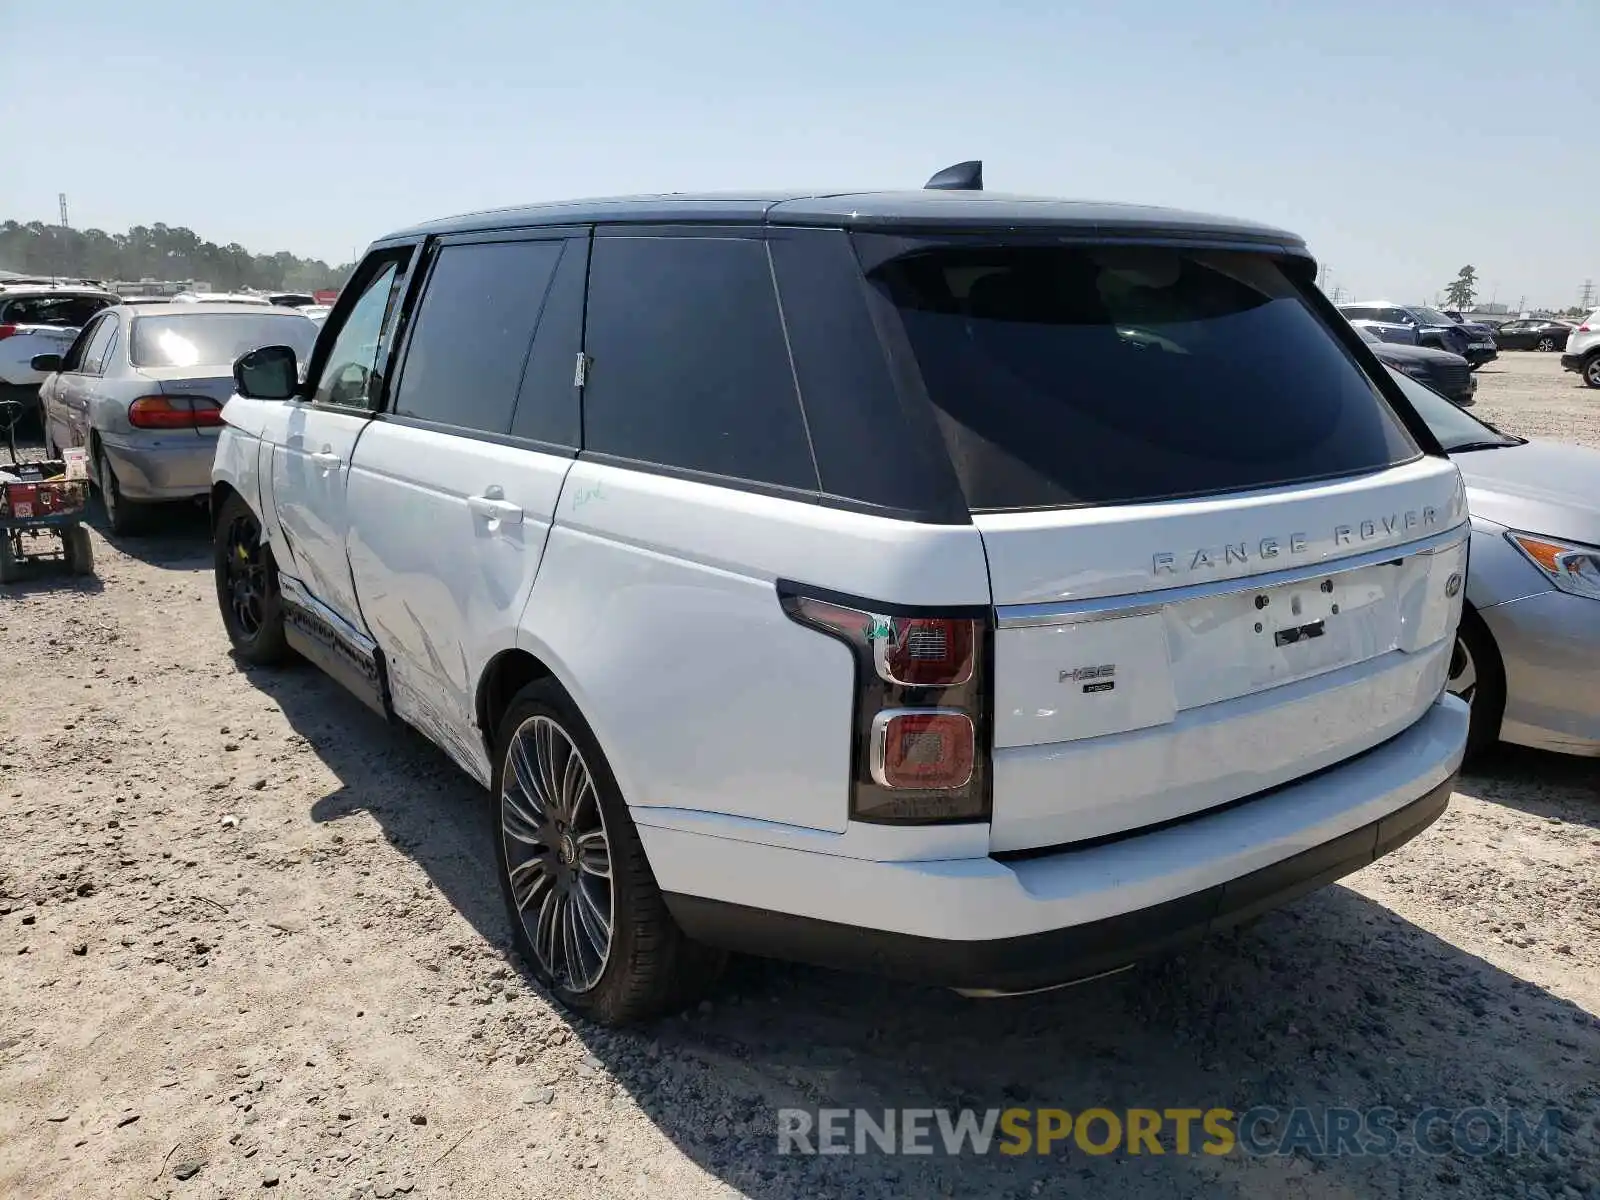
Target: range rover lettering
(975, 589)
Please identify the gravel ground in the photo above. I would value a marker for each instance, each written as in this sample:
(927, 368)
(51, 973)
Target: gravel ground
(253, 945)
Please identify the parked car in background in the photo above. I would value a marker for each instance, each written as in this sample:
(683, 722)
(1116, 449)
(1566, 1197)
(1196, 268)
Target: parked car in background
(1528, 650)
(1384, 331)
(142, 389)
(144, 300)
(40, 319)
(1074, 639)
(317, 312)
(1446, 373)
(1474, 326)
(1432, 328)
(290, 299)
(1583, 350)
(220, 298)
(1536, 334)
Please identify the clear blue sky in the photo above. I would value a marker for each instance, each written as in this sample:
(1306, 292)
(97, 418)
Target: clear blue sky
(1403, 138)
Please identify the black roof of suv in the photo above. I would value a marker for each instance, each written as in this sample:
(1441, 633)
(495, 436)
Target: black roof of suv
(886, 211)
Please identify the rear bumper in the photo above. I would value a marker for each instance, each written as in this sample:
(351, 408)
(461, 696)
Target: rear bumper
(1572, 362)
(1048, 918)
(1549, 644)
(174, 467)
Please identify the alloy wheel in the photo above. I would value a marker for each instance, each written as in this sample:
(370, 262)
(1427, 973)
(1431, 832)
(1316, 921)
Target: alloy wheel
(1463, 680)
(1591, 372)
(245, 574)
(1547, 344)
(558, 856)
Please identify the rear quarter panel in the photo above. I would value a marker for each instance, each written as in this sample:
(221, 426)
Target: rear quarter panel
(657, 608)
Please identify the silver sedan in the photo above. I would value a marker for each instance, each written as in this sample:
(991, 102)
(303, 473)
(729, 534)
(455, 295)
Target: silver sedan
(1528, 657)
(142, 389)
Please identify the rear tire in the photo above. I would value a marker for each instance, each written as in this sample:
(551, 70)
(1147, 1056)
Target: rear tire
(123, 517)
(1591, 371)
(1547, 344)
(10, 563)
(585, 911)
(79, 550)
(1478, 677)
(247, 586)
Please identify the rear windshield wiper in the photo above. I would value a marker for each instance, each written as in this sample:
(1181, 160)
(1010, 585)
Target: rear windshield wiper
(1485, 445)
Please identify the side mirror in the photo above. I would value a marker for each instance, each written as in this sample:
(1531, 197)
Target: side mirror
(270, 373)
(45, 362)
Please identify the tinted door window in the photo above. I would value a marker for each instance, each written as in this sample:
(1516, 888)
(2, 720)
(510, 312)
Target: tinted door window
(472, 331)
(349, 375)
(689, 365)
(1065, 376)
(547, 405)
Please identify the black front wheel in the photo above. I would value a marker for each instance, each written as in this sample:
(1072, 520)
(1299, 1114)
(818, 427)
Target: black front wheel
(585, 910)
(247, 586)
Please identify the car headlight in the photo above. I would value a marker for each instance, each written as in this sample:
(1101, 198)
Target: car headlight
(1571, 567)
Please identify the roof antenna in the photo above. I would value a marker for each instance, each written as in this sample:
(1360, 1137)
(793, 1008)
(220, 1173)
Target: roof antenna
(963, 177)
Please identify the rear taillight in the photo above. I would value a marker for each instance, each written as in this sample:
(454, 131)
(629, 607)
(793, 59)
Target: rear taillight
(172, 412)
(1580, 329)
(921, 706)
(8, 331)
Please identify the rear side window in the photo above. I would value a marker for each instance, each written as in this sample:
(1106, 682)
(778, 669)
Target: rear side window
(689, 367)
(472, 331)
(1105, 375)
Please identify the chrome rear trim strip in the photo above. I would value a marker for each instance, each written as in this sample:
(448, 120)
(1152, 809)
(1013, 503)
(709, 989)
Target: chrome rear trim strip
(1064, 612)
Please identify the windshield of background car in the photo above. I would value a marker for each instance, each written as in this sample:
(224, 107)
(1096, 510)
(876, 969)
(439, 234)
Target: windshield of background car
(68, 312)
(1065, 375)
(1450, 425)
(215, 339)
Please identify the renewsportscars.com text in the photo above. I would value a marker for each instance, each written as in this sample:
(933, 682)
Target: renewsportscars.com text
(1258, 1131)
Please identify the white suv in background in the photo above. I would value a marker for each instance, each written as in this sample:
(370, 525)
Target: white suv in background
(977, 590)
(1583, 350)
(40, 319)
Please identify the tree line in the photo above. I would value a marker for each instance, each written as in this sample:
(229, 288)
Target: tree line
(157, 252)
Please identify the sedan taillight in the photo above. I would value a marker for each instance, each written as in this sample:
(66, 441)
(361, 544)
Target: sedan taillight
(173, 412)
(920, 724)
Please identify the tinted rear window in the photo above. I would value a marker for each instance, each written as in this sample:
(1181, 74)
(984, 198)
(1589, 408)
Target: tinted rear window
(66, 312)
(1105, 375)
(215, 339)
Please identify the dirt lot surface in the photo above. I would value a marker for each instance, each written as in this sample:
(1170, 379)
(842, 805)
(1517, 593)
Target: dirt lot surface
(252, 945)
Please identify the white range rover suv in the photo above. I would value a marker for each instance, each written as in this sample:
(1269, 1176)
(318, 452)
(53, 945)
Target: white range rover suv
(978, 590)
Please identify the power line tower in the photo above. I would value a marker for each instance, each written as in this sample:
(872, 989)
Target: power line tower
(1586, 301)
(62, 196)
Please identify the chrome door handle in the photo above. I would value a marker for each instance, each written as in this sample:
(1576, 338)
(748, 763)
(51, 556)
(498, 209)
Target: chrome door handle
(326, 459)
(492, 506)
